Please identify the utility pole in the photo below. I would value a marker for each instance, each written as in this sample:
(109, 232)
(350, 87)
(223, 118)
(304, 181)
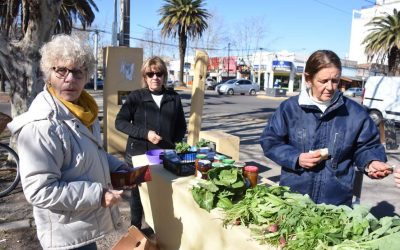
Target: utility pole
(114, 39)
(259, 68)
(96, 48)
(229, 50)
(152, 37)
(125, 20)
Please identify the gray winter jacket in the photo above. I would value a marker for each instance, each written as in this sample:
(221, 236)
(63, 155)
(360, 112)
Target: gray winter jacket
(64, 169)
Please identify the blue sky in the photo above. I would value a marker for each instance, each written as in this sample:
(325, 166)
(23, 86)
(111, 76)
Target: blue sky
(301, 26)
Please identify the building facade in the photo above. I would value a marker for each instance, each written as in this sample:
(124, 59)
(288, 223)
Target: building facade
(359, 28)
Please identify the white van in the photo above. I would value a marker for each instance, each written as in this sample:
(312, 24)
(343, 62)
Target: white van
(382, 98)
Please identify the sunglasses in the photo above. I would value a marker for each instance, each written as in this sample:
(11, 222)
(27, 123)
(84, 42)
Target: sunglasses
(151, 74)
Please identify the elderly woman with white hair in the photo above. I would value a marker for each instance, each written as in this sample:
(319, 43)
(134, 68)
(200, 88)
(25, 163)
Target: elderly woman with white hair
(65, 172)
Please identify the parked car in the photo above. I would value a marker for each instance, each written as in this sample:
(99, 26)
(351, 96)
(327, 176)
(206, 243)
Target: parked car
(238, 86)
(170, 85)
(353, 92)
(381, 98)
(210, 83)
(90, 84)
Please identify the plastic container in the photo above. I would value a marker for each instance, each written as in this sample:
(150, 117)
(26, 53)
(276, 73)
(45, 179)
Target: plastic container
(154, 156)
(251, 174)
(203, 166)
(217, 165)
(239, 165)
(228, 162)
(199, 157)
(219, 158)
(187, 156)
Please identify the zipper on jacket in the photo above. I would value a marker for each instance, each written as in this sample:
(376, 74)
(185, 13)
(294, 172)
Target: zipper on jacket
(334, 163)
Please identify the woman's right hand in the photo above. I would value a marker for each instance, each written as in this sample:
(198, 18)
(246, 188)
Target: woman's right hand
(111, 197)
(310, 160)
(153, 137)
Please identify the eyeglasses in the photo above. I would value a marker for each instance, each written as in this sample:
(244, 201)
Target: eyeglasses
(63, 72)
(151, 74)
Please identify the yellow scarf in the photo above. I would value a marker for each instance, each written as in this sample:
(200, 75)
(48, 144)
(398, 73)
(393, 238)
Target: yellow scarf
(86, 110)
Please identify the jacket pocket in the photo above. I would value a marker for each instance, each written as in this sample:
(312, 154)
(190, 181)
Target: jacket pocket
(64, 217)
(61, 217)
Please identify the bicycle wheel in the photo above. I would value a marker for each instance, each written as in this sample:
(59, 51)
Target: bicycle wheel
(9, 172)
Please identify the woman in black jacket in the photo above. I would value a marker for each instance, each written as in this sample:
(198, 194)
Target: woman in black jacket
(153, 118)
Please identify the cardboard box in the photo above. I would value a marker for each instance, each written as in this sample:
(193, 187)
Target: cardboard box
(135, 240)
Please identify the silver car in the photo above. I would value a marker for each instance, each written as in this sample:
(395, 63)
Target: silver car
(238, 86)
(353, 92)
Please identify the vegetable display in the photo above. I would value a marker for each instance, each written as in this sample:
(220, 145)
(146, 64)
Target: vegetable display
(293, 221)
(225, 185)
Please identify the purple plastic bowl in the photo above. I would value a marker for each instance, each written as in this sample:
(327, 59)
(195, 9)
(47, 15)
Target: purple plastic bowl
(154, 156)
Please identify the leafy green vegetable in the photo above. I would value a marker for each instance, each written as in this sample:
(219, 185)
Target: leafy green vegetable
(225, 186)
(293, 221)
(202, 143)
(182, 147)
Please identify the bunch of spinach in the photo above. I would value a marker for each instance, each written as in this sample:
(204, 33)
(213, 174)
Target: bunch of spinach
(224, 187)
(182, 147)
(202, 143)
(279, 217)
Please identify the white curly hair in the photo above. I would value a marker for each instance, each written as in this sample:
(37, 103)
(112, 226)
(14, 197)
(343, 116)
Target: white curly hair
(66, 48)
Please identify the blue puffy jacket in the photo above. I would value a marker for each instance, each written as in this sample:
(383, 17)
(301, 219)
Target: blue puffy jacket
(344, 128)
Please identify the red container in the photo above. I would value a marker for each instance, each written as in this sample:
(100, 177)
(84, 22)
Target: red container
(251, 174)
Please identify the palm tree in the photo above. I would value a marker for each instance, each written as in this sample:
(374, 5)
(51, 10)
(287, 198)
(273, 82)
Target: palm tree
(185, 19)
(24, 26)
(384, 40)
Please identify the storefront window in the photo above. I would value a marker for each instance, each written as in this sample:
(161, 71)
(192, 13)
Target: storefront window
(281, 81)
(297, 83)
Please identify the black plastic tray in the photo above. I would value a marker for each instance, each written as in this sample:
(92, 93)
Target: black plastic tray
(181, 168)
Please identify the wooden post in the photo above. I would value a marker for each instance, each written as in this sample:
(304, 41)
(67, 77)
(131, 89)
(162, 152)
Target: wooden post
(196, 108)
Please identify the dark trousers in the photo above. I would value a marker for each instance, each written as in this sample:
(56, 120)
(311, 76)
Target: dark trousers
(135, 203)
(136, 208)
(91, 246)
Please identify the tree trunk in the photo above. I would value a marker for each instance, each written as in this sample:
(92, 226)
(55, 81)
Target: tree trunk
(393, 61)
(2, 82)
(182, 52)
(20, 60)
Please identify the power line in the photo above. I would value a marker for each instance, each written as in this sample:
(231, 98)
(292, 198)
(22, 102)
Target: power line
(167, 44)
(332, 7)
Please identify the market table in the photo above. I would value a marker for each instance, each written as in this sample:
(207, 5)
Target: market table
(178, 221)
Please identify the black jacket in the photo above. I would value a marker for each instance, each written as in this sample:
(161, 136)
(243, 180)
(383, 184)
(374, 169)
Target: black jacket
(140, 113)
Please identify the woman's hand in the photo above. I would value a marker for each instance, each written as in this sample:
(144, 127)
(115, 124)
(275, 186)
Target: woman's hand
(378, 170)
(110, 197)
(396, 175)
(310, 160)
(153, 137)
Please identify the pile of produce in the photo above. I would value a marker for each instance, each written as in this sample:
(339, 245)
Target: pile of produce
(293, 221)
(225, 185)
(182, 147)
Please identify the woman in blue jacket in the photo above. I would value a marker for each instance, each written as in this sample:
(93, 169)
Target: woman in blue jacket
(322, 118)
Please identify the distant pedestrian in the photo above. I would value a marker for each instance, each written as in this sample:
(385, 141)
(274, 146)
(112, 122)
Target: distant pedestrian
(318, 137)
(153, 118)
(65, 172)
